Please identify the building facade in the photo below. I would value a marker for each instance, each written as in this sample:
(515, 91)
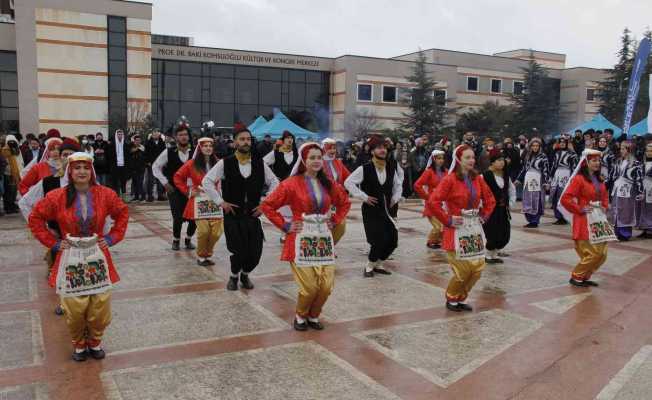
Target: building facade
(86, 66)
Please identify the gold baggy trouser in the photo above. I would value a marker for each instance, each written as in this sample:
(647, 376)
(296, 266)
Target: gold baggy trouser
(465, 275)
(315, 285)
(592, 256)
(87, 317)
(209, 232)
(436, 231)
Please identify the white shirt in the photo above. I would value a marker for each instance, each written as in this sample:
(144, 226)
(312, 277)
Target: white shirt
(216, 174)
(352, 184)
(162, 161)
(269, 158)
(35, 193)
(500, 181)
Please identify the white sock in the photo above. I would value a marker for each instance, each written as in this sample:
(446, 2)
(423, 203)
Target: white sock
(236, 276)
(380, 265)
(313, 319)
(98, 348)
(371, 265)
(453, 303)
(300, 320)
(80, 350)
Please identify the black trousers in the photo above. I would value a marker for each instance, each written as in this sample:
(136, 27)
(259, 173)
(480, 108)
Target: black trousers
(10, 194)
(137, 188)
(497, 228)
(382, 236)
(150, 182)
(244, 240)
(177, 204)
(120, 177)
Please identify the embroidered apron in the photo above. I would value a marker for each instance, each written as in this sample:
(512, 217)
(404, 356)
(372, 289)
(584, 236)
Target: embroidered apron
(314, 244)
(600, 230)
(83, 269)
(205, 208)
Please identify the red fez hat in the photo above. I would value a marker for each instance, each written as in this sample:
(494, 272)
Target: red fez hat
(375, 141)
(53, 133)
(70, 144)
(239, 127)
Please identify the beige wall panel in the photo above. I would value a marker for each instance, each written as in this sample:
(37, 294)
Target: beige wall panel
(7, 36)
(79, 85)
(67, 109)
(70, 17)
(497, 74)
(140, 88)
(71, 57)
(70, 34)
(339, 83)
(337, 123)
(338, 103)
(136, 40)
(387, 111)
(136, 24)
(480, 99)
(139, 62)
(71, 130)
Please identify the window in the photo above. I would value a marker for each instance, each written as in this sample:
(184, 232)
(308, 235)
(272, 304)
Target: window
(518, 87)
(472, 83)
(389, 94)
(496, 86)
(117, 69)
(365, 92)
(590, 94)
(440, 96)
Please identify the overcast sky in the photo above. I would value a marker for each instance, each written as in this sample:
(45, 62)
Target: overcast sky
(587, 31)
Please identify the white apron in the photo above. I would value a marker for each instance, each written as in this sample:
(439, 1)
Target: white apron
(532, 181)
(314, 244)
(562, 175)
(205, 208)
(647, 185)
(469, 237)
(623, 188)
(83, 269)
(600, 230)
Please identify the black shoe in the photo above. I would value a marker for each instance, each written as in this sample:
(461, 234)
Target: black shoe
(560, 222)
(175, 245)
(455, 307)
(315, 325)
(245, 282)
(80, 357)
(531, 225)
(498, 261)
(464, 307)
(233, 283)
(203, 263)
(282, 239)
(382, 271)
(97, 354)
(300, 326)
(150, 199)
(502, 254)
(591, 283)
(189, 245)
(368, 274)
(578, 283)
(433, 246)
(622, 238)
(162, 198)
(58, 310)
(210, 262)
(490, 260)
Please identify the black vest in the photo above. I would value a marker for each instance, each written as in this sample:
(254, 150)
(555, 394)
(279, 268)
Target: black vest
(245, 193)
(372, 187)
(501, 195)
(51, 183)
(174, 163)
(280, 168)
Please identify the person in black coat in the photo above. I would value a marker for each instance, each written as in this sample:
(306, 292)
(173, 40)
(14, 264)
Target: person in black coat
(118, 158)
(33, 150)
(154, 146)
(137, 163)
(101, 159)
(497, 228)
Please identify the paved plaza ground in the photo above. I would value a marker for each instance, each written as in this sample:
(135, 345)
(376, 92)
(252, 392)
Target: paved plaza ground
(178, 334)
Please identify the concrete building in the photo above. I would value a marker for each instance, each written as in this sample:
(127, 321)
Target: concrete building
(84, 66)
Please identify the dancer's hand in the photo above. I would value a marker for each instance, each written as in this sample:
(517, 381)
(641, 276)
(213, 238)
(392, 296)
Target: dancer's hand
(64, 244)
(196, 191)
(229, 208)
(168, 188)
(372, 201)
(330, 224)
(102, 243)
(296, 227)
(587, 210)
(457, 220)
(256, 212)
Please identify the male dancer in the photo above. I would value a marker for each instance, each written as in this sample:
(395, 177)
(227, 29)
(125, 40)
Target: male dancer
(243, 179)
(337, 172)
(379, 185)
(282, 160)
(166, 165)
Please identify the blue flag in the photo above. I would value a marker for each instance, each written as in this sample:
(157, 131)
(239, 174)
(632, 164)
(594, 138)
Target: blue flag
(635, 82)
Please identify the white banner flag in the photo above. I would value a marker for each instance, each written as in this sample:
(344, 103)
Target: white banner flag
(649, 113)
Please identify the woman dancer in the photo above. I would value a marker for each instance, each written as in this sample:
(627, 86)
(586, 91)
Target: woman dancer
(81, 209)
(310, 194)
(425, 186)
(49, 165)
(562, 168)
(585, 194)
(645, 204)
(535, 177)
(455, 203)
(209, 222)
(497, 228)
(627, 188)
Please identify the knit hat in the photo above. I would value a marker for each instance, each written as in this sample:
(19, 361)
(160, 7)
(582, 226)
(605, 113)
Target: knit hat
(495, 154)
(70, 144)
(375, 141)
(53, 133)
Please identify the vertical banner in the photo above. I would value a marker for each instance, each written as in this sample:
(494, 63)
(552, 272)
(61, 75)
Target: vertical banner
(640, 62)
(649, 113)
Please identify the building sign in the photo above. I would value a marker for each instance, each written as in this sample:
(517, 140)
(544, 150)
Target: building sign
(240, 57)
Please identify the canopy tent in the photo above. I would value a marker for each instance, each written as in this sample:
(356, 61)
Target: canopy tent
(598, 122)
(280, 123)
(640, 128)
(258, 122)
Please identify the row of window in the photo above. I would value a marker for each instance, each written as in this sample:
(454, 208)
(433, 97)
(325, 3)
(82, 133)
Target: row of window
(496, 86)
(394, 94)
(117, 68)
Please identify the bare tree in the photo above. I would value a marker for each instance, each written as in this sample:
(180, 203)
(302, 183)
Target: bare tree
(362, 123)
(138, 117)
